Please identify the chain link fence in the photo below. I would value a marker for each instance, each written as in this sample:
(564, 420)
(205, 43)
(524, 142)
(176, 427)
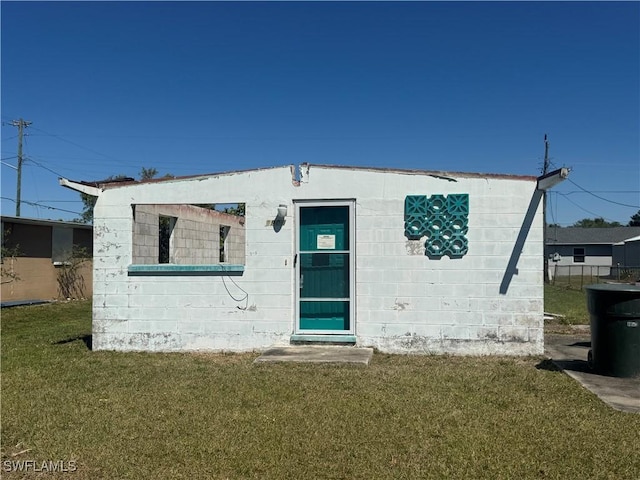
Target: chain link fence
(577, 276)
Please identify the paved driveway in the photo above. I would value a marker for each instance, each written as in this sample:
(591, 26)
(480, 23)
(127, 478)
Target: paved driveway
(569, 352)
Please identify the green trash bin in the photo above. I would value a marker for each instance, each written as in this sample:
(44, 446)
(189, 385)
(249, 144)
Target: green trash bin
(614, 310)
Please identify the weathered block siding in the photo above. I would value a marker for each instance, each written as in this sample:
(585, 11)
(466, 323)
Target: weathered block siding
(195, 237)
(405, 302)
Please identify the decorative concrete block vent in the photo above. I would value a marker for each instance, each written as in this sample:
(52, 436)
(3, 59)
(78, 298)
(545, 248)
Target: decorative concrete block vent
(442, 219)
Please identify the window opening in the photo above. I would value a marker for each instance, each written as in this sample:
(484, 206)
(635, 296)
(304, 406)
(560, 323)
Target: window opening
(224, 234)
(165, 230)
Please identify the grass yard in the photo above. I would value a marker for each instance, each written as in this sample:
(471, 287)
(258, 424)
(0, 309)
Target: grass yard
(570, 303)
(184, 416)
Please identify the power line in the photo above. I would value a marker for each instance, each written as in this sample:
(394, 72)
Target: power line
(41, 205)
(602, 198)
(582, 208)
(603, 191)
(593, 193)
(8, 165)
(38, 164)
(81, 146)
(34, 183)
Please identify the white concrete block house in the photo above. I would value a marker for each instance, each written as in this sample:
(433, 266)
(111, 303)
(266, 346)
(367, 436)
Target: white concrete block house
(403, 261)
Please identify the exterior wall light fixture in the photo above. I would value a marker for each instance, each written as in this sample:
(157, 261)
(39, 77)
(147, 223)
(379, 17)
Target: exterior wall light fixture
(282, 212)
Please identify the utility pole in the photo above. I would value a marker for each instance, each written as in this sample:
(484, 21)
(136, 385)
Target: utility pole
(545, 170)
(21, 124)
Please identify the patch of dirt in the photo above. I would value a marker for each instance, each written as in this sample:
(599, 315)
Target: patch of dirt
(563, 329)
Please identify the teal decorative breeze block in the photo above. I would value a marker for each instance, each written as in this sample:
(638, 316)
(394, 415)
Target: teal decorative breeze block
(442, 219)
(415, 227)
(415, 216)
(458, 203)
(416, 205)
(459, 223)
(437, 204)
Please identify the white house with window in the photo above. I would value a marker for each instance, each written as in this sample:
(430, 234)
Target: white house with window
(404, 261)
(572, 250)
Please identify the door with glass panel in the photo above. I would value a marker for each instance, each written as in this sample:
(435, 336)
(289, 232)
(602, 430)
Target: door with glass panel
(324, 267)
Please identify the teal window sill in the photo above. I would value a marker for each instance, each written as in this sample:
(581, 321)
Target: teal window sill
(184, 270)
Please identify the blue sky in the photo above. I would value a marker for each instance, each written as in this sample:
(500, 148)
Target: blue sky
(204, 87)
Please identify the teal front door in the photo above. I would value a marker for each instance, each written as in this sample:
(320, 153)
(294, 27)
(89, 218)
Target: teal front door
(325, 267)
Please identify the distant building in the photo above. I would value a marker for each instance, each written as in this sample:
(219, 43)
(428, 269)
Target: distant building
(627, 252)
(579, 247)
(42, 248)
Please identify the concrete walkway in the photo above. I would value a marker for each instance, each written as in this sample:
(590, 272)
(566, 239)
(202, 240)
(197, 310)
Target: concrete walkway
(569, 353)
(317, 354)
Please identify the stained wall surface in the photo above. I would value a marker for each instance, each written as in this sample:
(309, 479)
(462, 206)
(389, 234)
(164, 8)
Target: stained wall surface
(487, 301)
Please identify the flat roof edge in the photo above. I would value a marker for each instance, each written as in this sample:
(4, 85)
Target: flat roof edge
(42, 221)
(436, 173)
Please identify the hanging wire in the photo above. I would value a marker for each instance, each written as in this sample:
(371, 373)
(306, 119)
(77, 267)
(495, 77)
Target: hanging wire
(243, 299)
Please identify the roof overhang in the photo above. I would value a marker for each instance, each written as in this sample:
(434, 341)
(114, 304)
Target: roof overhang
(80, 187)
(551, 179)
(45, 222)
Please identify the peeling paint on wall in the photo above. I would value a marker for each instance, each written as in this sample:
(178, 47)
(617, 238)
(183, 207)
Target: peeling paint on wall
(403, 304)
(400, 305)
(415, 247)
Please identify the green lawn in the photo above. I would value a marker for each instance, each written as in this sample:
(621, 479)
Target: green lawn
(174, 416)
(570, 303)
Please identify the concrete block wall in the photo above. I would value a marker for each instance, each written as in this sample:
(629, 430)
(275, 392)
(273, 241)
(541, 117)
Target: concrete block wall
(145, 235)
(235, 242)
(490, 301)
(407, 302)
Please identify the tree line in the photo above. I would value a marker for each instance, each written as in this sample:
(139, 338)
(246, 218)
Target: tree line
(600, 222)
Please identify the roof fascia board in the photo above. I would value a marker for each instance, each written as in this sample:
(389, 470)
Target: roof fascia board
(551, 179)
(446, 175)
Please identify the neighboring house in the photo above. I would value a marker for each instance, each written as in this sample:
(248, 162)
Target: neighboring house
(42, 248)
(404, 261)
(627, 253)
(574, 248)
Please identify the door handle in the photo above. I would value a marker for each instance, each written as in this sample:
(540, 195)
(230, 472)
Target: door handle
(295, 260)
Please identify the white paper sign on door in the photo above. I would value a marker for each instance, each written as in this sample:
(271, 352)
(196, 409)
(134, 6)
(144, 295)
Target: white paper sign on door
(326, 242)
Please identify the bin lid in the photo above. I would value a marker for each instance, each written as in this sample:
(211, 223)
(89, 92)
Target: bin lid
(614, 287)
